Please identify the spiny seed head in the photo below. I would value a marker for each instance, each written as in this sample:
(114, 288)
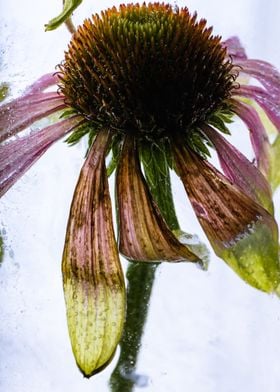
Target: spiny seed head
(147, 69)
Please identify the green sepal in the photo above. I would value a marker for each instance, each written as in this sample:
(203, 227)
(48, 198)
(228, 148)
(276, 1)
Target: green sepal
(219, 123)
(115, 157)
(156, 167)
(68, 8)
(67, 113)
(220, 118)
(198, 144)
(78, 133)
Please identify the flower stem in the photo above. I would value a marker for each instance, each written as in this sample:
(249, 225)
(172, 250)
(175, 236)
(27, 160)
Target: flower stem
(140, 276)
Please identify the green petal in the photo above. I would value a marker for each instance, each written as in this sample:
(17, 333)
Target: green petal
(143, 233)
(241, 232)
(274, 159)
(68, 8)
(4, 91)
(92, 276)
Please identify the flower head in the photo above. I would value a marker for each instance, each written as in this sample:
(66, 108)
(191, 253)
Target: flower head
(147, 84)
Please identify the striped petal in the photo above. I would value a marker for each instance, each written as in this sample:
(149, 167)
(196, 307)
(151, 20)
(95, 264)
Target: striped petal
(240, 170)
(258, 135)
(269, 103)
(92, 276)
(143, 234)
(264, 72)
(241, 232)
(17, 156)
(24, 111)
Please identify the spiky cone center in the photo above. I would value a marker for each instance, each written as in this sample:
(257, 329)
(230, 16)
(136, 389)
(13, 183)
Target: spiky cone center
(150, 70)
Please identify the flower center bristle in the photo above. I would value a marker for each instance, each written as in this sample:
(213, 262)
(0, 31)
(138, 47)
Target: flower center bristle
(147, 69)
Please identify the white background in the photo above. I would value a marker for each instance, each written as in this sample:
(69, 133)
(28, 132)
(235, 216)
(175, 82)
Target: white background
(207, 331)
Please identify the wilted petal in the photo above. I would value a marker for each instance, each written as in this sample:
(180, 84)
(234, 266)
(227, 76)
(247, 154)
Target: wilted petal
(240, 170)
(234, 48)
(258, 135)
(241, 232)
(269, 103)
(143, 234)
(42, 83)
(265, 73)
(17, 156)
(24, 111)
(92, 276)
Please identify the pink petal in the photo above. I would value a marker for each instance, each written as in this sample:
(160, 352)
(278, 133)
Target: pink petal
(257, 131)
(17, 156)
(266, 73)
(24, 111)
(269, 103)
(240, 170)
(42, 83)
(234, 48)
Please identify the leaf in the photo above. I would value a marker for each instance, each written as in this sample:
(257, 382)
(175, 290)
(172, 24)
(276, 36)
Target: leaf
(69, 7)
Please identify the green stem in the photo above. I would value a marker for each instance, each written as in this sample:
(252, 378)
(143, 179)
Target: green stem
(140, 276)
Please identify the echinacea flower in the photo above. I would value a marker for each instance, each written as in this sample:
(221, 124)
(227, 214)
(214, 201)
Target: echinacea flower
(149, 81)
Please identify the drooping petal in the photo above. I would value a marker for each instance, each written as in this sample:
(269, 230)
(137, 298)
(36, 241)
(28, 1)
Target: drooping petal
(258, 135)
(92, 275)
(24, 111)
(269, 103)
(143, 234)
(265, 73)
(234, 48)
(240, 170)
(42, 84)
(241, 232)
(17, 156)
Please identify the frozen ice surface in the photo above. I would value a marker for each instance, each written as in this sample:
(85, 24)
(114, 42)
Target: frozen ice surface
(206, 331)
